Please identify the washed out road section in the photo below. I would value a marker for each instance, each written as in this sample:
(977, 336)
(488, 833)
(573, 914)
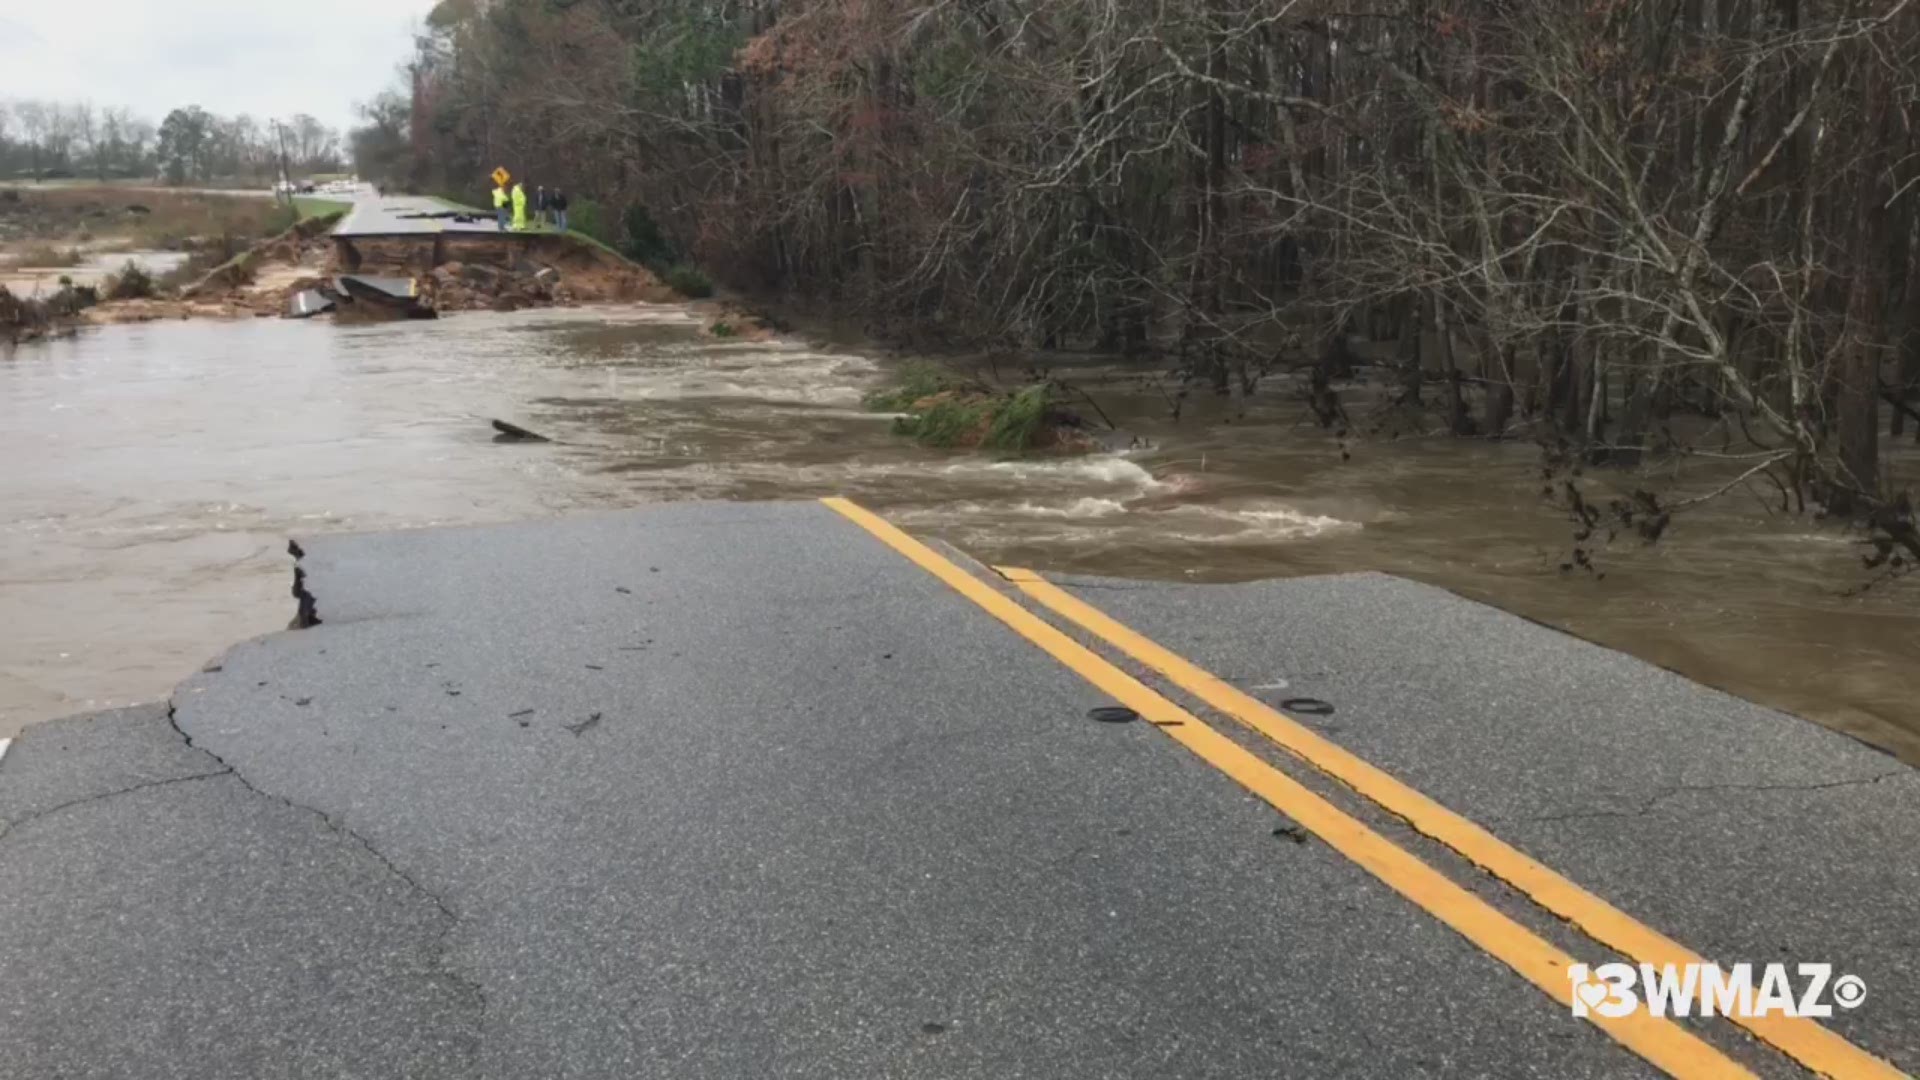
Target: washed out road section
(725, 790)
(407, 215)
(170, 461)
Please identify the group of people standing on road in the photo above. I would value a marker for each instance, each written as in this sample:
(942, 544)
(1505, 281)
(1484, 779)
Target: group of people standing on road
(549, 207)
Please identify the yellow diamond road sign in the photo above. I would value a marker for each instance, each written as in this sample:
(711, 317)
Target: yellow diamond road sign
(501, 176)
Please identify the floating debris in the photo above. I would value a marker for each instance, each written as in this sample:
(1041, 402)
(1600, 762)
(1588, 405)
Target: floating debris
(516, 433)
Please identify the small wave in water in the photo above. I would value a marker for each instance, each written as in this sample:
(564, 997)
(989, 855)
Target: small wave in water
(1253, 523)
(1087, 507)
(792, 377)
(1091, 517)
(1135, 507)
(1100, 469)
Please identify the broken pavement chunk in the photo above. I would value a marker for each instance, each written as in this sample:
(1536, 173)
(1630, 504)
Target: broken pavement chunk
(307, 303)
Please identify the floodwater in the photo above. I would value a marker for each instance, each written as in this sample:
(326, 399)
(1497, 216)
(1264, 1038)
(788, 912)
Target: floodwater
(44, 280)
(154, 472)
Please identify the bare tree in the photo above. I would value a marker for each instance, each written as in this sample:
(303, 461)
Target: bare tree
(1628, 228)
(88, 129)
(63, 128)
(139, 137)
(116, 122)
(35, 121)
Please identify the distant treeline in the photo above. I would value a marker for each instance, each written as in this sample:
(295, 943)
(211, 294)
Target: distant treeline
(1584, 220)
(66, 140)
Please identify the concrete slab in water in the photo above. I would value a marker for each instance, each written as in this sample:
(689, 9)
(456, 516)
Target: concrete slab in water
(308, 303)
(400, 289)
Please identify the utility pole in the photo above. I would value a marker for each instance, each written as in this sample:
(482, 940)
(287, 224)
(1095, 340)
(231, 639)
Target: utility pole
(286, 171)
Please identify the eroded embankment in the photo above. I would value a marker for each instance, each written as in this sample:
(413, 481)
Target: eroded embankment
(478, 273)
(485, 274)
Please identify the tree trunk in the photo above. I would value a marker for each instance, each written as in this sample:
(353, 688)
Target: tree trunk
(1597, 395)
(1459, 422)
(1857, 399)
(1499, 408)
(1213, 212)
(1907, 323)
(1407, 354)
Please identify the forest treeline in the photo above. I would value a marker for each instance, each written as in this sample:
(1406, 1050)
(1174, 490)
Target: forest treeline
(61, 140)
(1596, 221)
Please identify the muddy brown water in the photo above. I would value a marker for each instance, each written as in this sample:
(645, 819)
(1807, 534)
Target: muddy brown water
(43, 281)
(154, 472)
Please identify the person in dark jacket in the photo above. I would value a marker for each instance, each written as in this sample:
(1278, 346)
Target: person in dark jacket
(557, 202)
(540, 206)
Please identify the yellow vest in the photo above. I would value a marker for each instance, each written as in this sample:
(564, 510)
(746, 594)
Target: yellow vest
(519, 199)
(499, 197)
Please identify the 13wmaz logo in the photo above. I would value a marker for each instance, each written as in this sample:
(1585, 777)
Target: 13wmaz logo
(1617, 990)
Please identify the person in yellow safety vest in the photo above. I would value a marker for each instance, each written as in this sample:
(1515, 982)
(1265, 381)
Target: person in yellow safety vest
(519, 207)
(500, 206)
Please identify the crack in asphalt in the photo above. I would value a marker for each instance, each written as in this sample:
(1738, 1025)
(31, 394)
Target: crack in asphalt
(1658, 797)
(7, 827)
(173, 720)
(441, 944)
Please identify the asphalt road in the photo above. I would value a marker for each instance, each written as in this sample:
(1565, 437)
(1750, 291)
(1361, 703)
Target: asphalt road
(736, 790)
(391, 215)
(1746, 833)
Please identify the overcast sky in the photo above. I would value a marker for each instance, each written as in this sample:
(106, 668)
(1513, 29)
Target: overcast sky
(269, 58)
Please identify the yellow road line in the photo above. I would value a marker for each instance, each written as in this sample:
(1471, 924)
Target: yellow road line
(1801, 1039)
(1662, 1042)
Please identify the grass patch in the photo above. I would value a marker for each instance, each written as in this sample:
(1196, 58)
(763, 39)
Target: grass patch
(944, 409)
(948, 421)
(172, 219)
(589, 238)
(1018, 421)
(587, 218)
(123, 218)
(688, 281)
(305, 207)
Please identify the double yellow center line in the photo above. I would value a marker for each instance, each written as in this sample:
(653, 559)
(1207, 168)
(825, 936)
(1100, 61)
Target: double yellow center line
(1662, 1042)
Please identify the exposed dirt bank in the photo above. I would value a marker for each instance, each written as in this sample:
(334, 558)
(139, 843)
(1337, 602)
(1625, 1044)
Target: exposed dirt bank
(480, 275)
(546, 271)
